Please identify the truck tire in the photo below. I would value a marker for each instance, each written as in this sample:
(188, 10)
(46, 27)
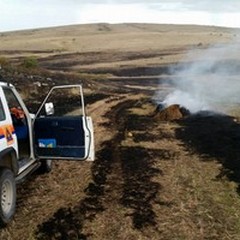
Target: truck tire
(46, 166)
(7, 196)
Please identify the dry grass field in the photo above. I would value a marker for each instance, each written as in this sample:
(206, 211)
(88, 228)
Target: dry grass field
(151, 179)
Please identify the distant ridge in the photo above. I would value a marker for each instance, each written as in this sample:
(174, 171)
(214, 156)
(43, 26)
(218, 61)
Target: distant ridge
(113, 37)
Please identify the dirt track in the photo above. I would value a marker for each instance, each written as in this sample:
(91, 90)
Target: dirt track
(121, 177)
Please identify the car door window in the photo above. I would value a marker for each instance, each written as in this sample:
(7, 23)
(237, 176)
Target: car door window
(61, 128)
(63, 102)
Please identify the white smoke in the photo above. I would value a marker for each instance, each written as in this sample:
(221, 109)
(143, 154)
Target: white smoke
(185, 99)
(208, 80)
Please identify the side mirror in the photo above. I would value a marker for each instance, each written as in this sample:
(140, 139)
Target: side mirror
(49, 108)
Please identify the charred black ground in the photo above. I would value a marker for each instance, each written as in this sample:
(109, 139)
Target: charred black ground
(214, 136)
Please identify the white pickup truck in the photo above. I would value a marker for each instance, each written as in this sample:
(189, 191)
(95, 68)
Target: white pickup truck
(59, 130)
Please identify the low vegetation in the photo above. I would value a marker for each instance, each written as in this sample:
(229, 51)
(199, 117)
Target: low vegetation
(30, 62)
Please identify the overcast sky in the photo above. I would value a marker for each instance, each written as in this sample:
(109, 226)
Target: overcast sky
(25, 14)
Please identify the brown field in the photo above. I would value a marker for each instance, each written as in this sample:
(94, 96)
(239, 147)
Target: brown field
(151, 179)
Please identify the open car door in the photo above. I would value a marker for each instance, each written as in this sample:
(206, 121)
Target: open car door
(61, 129)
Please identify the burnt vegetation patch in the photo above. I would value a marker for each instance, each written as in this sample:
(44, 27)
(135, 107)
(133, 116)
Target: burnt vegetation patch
(139, 191)
(145, 137)
(92, 98)
(68, 60)
(136, 122)
(131, 71)
(214, 136)
(138, 166)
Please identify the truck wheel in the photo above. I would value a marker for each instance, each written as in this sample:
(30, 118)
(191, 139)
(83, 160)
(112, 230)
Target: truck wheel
(46, 166)
(7, 196)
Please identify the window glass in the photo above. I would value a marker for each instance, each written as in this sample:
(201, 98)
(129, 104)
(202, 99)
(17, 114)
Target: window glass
(17, 113)
(63, 102)
(11, 99)
(2, 113)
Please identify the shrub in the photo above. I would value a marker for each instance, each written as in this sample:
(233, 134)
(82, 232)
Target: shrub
(30, 62)
(4, 61)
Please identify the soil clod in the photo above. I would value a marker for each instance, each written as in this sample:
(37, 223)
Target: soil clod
(173, 112)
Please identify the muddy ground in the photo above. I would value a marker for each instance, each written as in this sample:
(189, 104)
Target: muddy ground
(151, 179)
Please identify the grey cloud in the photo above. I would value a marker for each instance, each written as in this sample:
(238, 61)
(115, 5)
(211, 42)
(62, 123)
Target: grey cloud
(215, 5)
(204, 5)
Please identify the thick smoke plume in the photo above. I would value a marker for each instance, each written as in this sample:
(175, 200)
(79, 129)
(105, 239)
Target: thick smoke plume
(209, 79)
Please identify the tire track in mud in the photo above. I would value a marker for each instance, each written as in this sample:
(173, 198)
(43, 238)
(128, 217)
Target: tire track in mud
(120, 175)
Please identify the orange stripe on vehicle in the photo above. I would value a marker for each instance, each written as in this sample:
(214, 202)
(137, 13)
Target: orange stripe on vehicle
(6, 131)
